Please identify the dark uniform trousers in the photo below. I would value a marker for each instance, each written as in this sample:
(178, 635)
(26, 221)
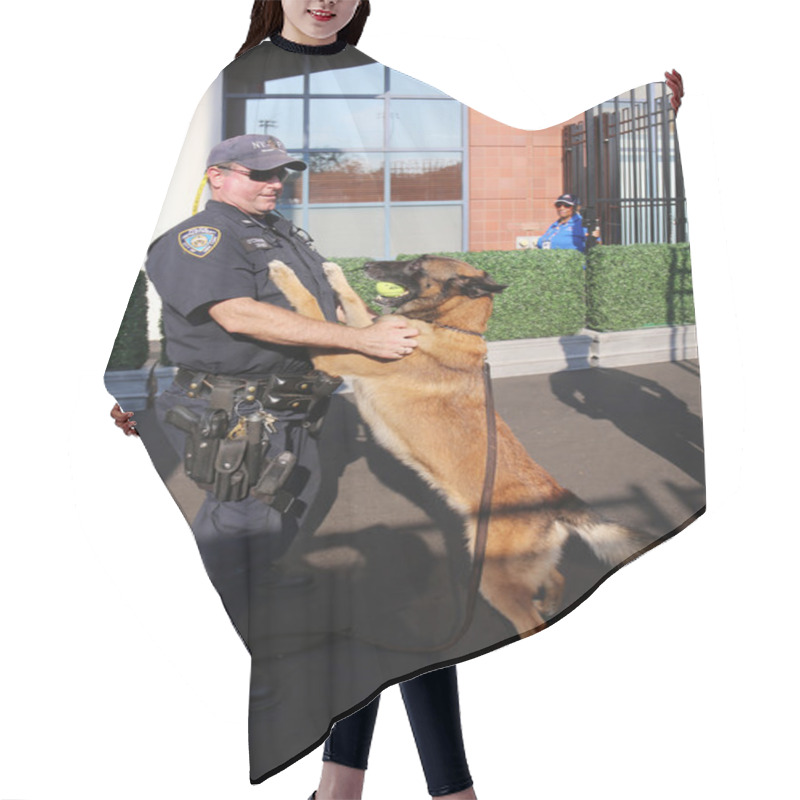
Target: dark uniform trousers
(239, 541)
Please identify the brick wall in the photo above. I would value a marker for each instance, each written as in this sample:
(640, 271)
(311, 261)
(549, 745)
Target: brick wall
(515, 177)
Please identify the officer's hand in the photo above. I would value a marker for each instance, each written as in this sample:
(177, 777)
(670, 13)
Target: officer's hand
(675, 84)
(124, 420)
(390, 337)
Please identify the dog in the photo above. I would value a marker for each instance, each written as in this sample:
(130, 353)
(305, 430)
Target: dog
(429, 410)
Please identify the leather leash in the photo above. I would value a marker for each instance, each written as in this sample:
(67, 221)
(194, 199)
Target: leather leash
(485, 510)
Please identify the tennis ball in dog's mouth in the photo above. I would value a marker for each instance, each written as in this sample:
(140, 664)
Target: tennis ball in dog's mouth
(386, 289)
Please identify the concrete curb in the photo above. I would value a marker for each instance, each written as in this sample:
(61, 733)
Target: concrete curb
(592, 349)
(646, 346)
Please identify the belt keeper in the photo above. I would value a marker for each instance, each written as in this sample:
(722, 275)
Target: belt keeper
(221, 397)
(195, 384)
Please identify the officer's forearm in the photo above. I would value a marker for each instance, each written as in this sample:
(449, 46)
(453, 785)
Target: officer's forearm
(270, 323)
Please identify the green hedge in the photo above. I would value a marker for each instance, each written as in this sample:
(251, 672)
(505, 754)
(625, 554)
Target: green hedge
(638, 286)
(545, 294)
(131, 347)
(549, 293)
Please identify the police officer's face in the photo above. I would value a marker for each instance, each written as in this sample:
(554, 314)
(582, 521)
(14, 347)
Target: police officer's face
(316, 22)
(564, 211)
(235, 187)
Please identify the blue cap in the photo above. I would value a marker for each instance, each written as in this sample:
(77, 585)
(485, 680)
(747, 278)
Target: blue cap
(568, 199)
(254, 151)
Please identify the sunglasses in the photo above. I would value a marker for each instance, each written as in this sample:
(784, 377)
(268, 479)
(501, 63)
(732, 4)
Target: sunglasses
(260, 175)
(563, 205)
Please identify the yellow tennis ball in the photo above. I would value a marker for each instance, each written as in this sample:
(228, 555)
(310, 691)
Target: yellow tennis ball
(386, 289)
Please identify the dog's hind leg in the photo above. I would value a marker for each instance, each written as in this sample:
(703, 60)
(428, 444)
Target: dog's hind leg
(356, 311)
(513, 598)
(549, 601)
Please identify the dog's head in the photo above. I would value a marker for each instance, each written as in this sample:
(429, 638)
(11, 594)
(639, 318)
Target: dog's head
(438, 289)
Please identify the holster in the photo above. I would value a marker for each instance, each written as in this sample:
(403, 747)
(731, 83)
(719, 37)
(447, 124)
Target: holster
(204, 433)
(270, 485)
(231, 479)
(307, 394)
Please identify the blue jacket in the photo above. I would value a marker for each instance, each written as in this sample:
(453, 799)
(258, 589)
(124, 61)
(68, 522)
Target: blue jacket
(571, 235)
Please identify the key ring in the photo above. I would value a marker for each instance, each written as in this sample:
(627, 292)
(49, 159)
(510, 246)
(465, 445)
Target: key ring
(257, 409)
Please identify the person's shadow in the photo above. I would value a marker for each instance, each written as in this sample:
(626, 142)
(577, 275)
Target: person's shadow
(639, 407)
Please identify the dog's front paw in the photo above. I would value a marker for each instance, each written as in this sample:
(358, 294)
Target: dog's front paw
(335, 276)
(280, 274)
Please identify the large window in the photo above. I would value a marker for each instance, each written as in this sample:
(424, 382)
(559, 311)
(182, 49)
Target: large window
(386, 153)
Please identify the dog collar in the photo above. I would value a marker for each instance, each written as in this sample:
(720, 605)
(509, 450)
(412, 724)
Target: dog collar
(459, 330)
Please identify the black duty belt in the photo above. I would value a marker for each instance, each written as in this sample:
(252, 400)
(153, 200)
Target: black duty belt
(293, 393)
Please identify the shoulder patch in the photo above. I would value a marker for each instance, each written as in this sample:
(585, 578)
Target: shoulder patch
(200, 241)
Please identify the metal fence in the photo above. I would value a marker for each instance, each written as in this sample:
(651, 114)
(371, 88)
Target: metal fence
(624, 165)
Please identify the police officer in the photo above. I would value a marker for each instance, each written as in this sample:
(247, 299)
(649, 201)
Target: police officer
(567, 232)
(245, 397)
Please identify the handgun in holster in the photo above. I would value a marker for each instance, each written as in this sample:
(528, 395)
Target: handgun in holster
(204, 432)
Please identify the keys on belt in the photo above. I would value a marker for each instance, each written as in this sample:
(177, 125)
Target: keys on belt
(249, 421)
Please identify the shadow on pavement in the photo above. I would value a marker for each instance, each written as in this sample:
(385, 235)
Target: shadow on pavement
(641, 408)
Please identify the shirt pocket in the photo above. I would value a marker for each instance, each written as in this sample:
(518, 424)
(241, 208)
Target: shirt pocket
(259, 253)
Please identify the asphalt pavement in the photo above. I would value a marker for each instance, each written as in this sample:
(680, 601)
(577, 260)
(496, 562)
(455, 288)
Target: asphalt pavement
(385, 558)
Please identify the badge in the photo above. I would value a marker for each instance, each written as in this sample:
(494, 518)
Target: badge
(253, 243)
(199, 242)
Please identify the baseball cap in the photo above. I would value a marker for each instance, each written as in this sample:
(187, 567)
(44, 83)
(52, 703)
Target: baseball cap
(254, 151)
(568, 199)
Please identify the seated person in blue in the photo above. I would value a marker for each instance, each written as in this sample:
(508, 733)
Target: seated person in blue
(567, 232)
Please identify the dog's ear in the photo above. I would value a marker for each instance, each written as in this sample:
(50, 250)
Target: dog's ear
(480, 286)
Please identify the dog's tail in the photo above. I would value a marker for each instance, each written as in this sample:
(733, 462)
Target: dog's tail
(610, 541)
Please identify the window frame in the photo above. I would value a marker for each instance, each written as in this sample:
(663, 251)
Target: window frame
(304, 208)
